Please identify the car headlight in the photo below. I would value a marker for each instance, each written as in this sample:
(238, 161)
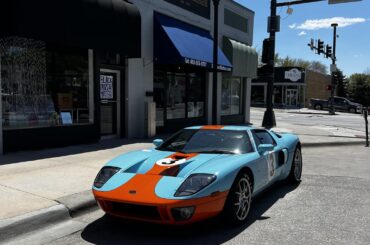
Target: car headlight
(104, 175)
(194, 183)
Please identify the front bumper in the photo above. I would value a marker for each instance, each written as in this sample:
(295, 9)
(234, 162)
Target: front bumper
(159, 210)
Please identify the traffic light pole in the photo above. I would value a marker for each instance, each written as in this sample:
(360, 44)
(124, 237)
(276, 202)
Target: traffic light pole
(333, 70)
(215, 63)
(269, 120)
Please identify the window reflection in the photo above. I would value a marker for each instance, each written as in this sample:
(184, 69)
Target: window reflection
(231, 95)
(43, 85)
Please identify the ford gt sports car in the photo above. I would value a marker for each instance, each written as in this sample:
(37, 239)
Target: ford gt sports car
(198, 173)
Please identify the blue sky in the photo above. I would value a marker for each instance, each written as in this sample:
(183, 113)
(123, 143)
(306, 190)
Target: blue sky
(308, 21)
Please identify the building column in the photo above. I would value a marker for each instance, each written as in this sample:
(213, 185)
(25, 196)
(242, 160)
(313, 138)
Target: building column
(247, 102)
(210, 100)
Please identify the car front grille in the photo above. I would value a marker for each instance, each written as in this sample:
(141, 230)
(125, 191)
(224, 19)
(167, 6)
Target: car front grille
(135, 211)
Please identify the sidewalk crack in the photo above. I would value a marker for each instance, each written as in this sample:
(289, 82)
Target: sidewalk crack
(33, 194)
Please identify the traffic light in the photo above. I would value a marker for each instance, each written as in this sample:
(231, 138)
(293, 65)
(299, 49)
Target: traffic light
(320, 47)
(329, 52)
(338, 78)
(312, 44)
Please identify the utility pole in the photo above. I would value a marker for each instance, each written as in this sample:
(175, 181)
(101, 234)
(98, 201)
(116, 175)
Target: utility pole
(269, 120)
(215, 63)
(333, 69)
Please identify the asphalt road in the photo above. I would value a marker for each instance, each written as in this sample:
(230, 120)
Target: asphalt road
(341, 119)
(330, 206)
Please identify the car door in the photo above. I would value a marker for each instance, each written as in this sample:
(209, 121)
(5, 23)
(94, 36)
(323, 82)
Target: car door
(268, 160)
(339, 104)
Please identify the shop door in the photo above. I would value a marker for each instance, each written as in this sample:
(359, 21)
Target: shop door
(291, 97)
(109, 99)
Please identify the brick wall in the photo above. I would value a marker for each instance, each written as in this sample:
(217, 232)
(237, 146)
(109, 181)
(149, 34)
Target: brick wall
(316, 84)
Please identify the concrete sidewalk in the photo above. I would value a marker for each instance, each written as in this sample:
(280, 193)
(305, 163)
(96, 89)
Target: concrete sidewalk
(38, 188)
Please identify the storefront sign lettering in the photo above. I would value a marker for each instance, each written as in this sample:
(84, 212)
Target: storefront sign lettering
(293, 75)
(204, 64)
(106, 87)
(199, 7)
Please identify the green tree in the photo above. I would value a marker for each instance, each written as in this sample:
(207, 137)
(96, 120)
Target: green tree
(316, 66)
(359, 88)
(342, 85)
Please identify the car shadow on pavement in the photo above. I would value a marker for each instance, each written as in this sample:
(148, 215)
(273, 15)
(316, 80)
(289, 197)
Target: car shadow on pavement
(107, 230)
(38, 154)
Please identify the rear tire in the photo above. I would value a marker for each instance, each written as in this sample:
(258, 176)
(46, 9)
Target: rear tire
(296, 169)
(318, 107)
(239, 200)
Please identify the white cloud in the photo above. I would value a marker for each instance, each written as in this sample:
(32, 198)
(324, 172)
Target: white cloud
(302, 33)
(292, 26)
(326, 23)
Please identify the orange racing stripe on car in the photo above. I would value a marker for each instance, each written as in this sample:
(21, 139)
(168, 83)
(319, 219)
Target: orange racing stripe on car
(212, 127)
(170, 170)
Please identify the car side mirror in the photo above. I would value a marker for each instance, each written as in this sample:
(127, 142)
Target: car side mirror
(157, 142)
(265, 148)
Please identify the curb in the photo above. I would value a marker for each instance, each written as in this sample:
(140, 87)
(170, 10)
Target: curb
(68, 207)
(332, 144)
(78, 203)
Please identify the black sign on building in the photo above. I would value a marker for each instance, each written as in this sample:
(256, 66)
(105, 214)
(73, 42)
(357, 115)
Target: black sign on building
(199, 7)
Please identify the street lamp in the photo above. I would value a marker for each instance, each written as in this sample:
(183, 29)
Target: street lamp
(215, 62)
(269, 120)
(333, 69)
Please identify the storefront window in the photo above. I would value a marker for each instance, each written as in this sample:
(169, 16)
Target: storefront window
(258, 95)
(178, 95)
(278, 96)
(43, 85)
(196, 96)
(176, 92)
(231, 96)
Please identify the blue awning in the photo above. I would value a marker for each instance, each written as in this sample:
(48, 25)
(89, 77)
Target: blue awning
(176, 42)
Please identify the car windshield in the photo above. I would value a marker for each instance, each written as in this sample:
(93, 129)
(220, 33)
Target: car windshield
(208, 141)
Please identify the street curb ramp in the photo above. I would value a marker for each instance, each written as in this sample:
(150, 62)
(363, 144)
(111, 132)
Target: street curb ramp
(68, 207)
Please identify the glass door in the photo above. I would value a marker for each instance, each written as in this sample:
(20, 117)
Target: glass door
(108, 103)
(291, 97)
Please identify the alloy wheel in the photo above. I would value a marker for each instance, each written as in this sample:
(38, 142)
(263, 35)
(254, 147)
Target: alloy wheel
(243, 199)
(298, 164)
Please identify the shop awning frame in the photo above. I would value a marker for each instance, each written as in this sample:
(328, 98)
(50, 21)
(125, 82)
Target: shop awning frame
(243, 57)
(179, 43)
(106, 25)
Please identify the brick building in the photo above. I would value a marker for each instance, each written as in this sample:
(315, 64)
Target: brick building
(293, 87)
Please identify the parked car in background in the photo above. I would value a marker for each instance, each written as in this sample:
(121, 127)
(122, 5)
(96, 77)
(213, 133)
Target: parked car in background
(340, 104)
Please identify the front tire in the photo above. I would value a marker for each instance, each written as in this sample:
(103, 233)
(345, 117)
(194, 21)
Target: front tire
(352, 110)
(239, 200)
(296, 169)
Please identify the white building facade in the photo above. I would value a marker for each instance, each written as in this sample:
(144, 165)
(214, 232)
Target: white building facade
(183, 92)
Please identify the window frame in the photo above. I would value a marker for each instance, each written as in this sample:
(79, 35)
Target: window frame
(256, 138)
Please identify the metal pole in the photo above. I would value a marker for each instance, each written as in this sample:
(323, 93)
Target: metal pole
(366, 112)
(215, 63)
(269, 120)
(1, 115)
(334, 58)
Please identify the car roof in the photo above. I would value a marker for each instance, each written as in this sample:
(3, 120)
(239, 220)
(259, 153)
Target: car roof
(221, 127)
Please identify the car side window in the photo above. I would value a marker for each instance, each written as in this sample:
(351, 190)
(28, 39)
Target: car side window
(261, 136)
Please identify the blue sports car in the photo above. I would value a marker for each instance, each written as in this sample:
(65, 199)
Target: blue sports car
(198, 173)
